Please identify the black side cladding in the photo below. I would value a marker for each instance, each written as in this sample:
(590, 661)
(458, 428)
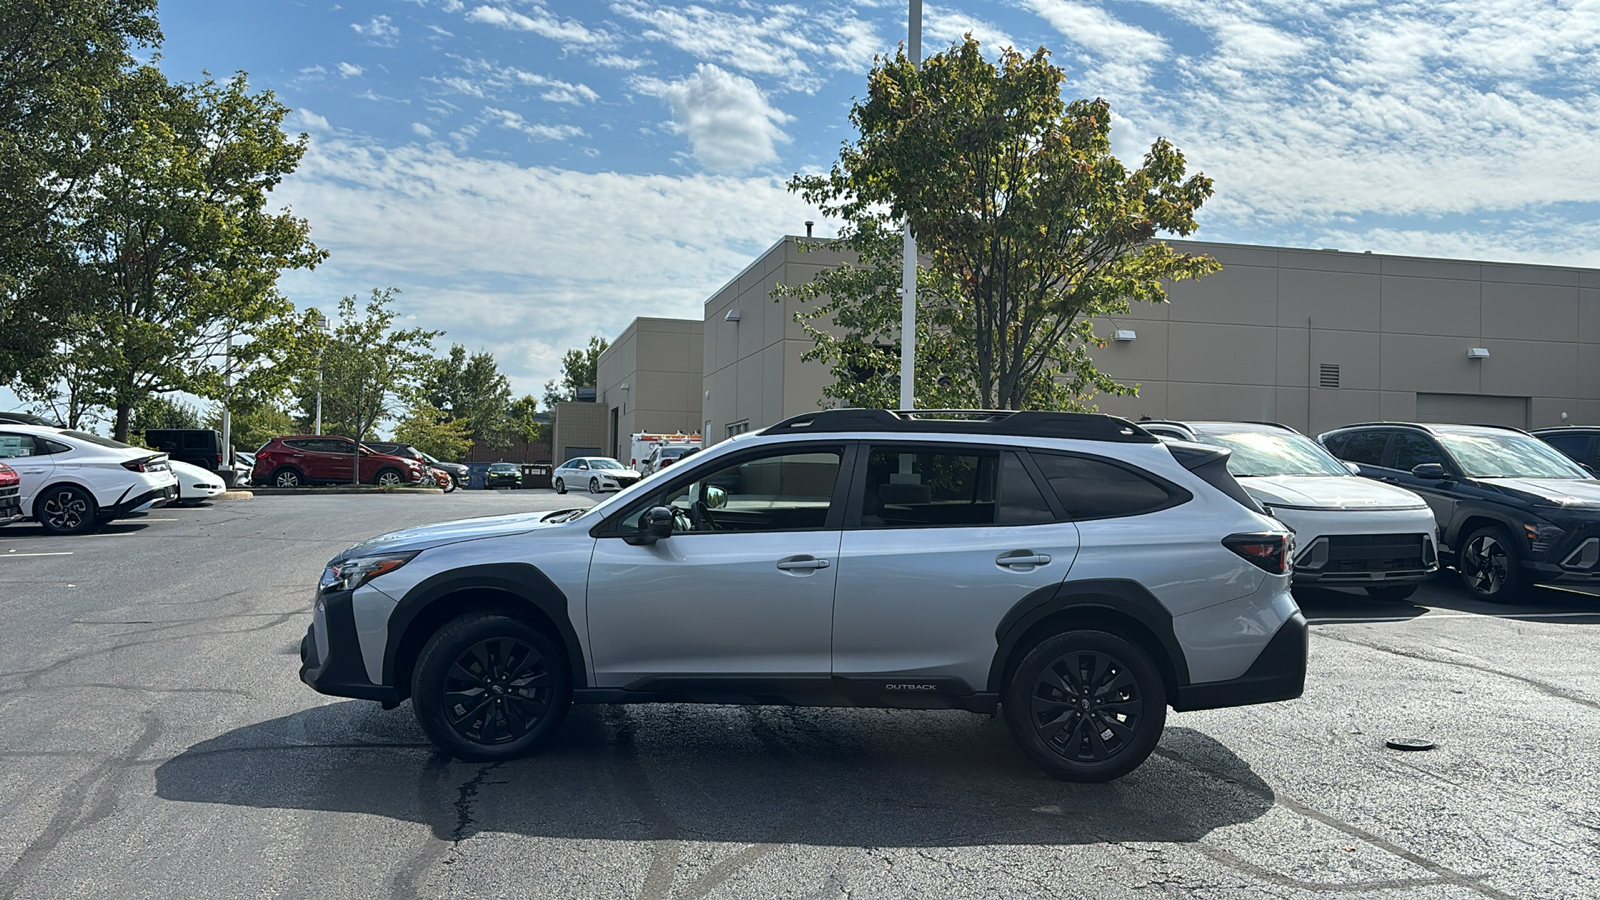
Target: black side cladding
(1211, 465)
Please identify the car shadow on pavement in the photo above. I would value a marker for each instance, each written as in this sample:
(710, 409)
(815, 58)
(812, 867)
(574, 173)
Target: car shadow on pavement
(864, 778)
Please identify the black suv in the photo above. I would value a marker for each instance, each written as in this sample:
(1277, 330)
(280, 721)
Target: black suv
(1576, 441)
(1511, 510)
(196, 446)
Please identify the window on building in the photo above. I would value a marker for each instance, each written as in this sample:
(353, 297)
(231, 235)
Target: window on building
(739, 427)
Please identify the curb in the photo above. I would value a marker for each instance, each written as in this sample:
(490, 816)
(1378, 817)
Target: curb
(325, 490)
(234, 495)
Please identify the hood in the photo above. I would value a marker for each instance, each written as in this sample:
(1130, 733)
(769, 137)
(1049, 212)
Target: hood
(1573, 493)
(1329, 492)
(425, 537)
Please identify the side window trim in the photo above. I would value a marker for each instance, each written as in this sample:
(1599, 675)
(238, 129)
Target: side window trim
(1031, 466)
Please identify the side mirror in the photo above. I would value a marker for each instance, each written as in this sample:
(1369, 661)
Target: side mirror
(716, 498)
(1354, 469)
(656, 523)
(1430, 471)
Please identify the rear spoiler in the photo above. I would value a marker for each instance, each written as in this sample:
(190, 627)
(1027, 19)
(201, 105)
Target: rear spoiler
(1211, 465)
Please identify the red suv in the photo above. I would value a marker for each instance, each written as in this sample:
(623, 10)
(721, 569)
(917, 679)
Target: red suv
(319, 459)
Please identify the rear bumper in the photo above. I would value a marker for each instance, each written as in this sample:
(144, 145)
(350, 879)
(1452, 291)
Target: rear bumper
(1279, 673)
(148, 500)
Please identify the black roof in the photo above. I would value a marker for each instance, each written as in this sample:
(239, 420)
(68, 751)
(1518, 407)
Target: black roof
(1566, 429)
(1023, 423)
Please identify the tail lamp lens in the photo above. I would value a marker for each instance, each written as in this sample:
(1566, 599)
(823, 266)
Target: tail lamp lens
(1268, 551)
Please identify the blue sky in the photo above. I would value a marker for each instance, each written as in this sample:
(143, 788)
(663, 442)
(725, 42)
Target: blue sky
(530, 172)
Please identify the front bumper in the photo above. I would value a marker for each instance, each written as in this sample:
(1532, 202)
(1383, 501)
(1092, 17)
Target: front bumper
(330, 654)
(10, 505)
(1279, 673)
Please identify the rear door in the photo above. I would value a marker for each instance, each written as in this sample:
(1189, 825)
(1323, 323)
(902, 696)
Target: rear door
(940, 541)
(22, 452)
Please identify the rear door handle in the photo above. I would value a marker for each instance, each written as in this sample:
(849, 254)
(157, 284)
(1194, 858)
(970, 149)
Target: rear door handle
(792, 563)
(1022, 558)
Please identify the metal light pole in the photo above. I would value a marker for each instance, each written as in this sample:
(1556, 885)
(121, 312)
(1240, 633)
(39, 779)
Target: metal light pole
(908, 252)
(227, 416)
(322, 326)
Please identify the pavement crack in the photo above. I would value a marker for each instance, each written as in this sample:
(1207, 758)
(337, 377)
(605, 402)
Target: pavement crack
(464, 817)
(1548, 690)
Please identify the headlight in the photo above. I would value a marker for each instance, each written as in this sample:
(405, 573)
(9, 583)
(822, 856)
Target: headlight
(349, 574)
(1540, 537)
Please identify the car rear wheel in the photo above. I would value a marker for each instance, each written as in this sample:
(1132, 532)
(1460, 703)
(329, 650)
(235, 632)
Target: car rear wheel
(288, 478)
(1086, 705)
(1490, 566)
(389, 478)
(1392, 593)
(66, 509)
(489, 687)
(594, 485)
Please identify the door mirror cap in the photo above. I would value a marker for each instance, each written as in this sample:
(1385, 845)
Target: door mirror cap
(1354, 469)
(1431, 472)
(654, 524)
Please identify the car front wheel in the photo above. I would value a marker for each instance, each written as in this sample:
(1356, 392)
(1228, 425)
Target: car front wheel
(389, 478)
(594, 485)
(66, 509)
(489, 687)
(561, 486)
(1491, 566)
(1086, 705)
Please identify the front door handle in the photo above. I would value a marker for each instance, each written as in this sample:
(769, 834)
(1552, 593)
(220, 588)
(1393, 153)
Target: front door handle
(1022, 558)
(792, 563)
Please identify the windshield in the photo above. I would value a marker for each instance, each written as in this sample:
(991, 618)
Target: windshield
(1508, 455)
(503, 467)
(674, 452)
(604, 464)
(1261, 453)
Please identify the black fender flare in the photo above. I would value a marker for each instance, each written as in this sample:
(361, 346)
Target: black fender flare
(521, 583)
(1466, 512)
(1120, 597)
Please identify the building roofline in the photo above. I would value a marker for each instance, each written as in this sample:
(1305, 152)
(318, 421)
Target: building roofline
(1372, 253)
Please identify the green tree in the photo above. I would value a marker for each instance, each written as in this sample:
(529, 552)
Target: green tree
(63, 67)
(175, 250)
(432, 431)
(522, 421)
(370, 371)
(578, 369)
(1029, 225)
(253, 425)
(469, 388)
(161, 411)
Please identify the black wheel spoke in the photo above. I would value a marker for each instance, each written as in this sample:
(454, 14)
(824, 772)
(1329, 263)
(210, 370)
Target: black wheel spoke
(468, 716)
(1123, 682)
(1097, 744)
(503, 687)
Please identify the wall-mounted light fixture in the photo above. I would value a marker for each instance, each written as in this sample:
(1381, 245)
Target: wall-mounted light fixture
(731, 316)
(1477, 353)
(623, 386)
(1125, 334)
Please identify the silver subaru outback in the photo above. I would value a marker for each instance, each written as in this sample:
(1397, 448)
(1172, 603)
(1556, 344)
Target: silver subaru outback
(1068, 569)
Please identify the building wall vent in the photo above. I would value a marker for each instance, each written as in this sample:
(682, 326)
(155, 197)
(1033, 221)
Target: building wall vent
(1330, 375)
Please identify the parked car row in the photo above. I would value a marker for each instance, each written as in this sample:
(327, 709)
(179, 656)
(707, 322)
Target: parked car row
(72, 481)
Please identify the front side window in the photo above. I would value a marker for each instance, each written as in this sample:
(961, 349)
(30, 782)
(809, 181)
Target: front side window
(1365, 447)
(1098, 489)
(605, 464)
(16, 446)
(777, 492)
(1412, 450)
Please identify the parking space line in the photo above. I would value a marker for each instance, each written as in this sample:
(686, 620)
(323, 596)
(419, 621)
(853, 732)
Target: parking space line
(54, 553)
(1452, 615)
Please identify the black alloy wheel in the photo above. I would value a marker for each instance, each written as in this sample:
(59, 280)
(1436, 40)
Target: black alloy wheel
(1086, 705)
(1491, 566)
(66, 509)
(561, 486)
(389, 478)
(489, 687)
(594, 485)
(288, 478)
(1392, 593)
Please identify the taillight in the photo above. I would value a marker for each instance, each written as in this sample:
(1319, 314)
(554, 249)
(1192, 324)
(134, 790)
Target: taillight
(142, 465)
(1269, 551)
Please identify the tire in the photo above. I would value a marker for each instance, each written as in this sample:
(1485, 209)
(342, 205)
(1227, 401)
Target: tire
(561, 486)
(1042, 705)
(287, 477)
(594, 485)
(525, 691)
(1392, 593)
(1491, 566)
(388, 478)
(66, 509)
(449, 484)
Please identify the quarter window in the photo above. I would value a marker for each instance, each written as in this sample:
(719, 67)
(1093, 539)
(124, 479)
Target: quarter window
(1097, 489)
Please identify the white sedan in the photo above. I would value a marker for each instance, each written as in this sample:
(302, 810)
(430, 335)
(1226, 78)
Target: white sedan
(596, 474)
(1348, 531)
(73, 481)
(194, 483)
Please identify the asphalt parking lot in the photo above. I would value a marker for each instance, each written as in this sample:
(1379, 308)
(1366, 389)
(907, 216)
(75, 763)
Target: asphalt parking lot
(157, 742)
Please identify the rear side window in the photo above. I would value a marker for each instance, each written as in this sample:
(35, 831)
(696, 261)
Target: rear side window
(917, 487)
(1364, 447)
(197, 441)
(1412, 450)
(1098, 489)
(1575, 446)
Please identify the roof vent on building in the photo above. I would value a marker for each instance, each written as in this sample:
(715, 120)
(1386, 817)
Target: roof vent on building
(1330, 375)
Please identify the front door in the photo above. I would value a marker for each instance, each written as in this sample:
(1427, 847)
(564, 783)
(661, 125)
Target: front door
(742, 590)
(32, 461)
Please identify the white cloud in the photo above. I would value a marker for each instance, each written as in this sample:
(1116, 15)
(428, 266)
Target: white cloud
(525, 261)
(484, 79)
(541, 132)
(729, 123)
(947, 26)
(566, 32)
(421, 130)
(310, 121)
(350, 70)
(783, 39)
(380, 30)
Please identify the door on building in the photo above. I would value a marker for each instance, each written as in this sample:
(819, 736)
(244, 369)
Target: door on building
(1472, 409)
(616, 438)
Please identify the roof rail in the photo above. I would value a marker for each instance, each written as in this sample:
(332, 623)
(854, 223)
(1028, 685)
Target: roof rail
(1021, 423)
(1427, 426)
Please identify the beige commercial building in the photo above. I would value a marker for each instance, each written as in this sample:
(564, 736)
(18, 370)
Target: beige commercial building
(650, 380)
(1310, 338)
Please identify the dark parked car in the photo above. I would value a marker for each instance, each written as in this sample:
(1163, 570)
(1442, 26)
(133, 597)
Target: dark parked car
(22, 418)
(1576, 442)
(312, 459)
(458, 473)
(196, 446)
(1511, 510)
(503, 475)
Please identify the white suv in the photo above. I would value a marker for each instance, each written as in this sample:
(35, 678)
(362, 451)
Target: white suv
(1070, 569)
(73, 480)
